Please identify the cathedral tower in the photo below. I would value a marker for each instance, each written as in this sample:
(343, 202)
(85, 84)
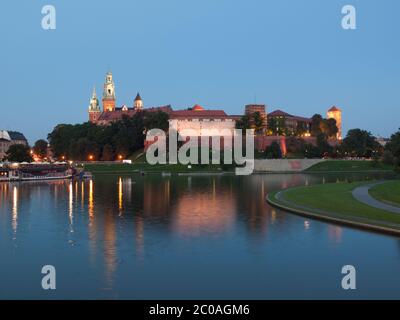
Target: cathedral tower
(109, 93)
(138, 103)
(94, 109)
(336, 113)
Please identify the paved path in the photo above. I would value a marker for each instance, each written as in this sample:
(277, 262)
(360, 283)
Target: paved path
(361, 194)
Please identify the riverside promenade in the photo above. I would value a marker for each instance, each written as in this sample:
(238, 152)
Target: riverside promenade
(361, 194)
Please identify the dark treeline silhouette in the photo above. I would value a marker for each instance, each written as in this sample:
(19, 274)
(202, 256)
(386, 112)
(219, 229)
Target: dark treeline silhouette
(120, 139)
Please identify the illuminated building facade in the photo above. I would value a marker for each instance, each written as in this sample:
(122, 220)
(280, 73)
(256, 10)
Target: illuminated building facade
(336, 113)
(199, 119)
(9, 138)
(283, 123)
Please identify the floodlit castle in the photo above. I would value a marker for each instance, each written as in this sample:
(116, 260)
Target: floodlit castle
(196, 118)
(110, 112)
(199, 119)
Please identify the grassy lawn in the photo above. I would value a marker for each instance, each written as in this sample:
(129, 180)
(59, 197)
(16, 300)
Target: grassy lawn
(336, 200)
(140, 164)
(349, 166)
(388, 192)
(136, 167)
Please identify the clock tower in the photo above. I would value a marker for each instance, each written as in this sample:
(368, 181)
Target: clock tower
(109, 93)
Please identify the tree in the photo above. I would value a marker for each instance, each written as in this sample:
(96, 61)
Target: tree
(40, 148)
(360, 143)
(124, 137)
(393, 145)
(319, 125)
(392, 149)
(243, 123)
(107, 153)
(316, 125)
(331, 128)
(388, 158)
(251, 121)
(258, 122)
(295, 145)
(311, 151)
(156, 120)
(273, 151)
(323, 148)
(18, 153)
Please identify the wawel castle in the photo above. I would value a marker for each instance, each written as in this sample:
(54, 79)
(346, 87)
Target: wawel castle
(198, 118)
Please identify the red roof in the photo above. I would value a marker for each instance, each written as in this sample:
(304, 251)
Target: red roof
(334, 109)
(189, 114)
(119, 113)
(280, 113)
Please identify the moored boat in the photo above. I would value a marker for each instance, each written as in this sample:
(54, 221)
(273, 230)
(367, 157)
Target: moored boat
(35, 172)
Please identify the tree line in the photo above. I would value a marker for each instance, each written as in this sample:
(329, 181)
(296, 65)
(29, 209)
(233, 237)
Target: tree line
(120, 139)
(358, 143)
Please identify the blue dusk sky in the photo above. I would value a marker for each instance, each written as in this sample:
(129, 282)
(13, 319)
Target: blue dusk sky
(222, 54)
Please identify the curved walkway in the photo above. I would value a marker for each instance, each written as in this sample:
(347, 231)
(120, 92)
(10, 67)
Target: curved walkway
(361, 194)
(278, 200)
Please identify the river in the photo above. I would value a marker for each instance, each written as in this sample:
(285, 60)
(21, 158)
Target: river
(183, 237)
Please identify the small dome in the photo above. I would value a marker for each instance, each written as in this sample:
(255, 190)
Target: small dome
(198, 108)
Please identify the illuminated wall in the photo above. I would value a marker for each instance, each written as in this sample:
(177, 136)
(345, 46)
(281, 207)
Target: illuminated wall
(336, 113)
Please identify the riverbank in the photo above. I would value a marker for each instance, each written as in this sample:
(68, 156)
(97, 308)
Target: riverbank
(334, 202)
(388, 192)
(260, 166)
(160, 168)
(349, 166)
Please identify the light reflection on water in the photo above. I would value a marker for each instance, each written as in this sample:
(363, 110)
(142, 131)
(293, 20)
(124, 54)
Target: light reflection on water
(179, 237)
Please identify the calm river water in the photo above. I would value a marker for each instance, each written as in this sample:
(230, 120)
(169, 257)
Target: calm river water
(181, 237)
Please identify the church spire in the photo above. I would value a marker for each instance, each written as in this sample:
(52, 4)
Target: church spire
(138, 103)
(94, 109)
(94, 102)
(109, 93)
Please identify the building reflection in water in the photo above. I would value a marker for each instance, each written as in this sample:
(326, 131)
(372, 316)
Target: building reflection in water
(120, 195)
(14, 211)
(82, 195)
(335, 233)
(198, 212)
(91, 222)
(102, 217)
(71, 206)
(90, 200)
(3, 194)
(273, 215)
(110, 251)
(139, 237)
(156, 199)
(76, 191)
